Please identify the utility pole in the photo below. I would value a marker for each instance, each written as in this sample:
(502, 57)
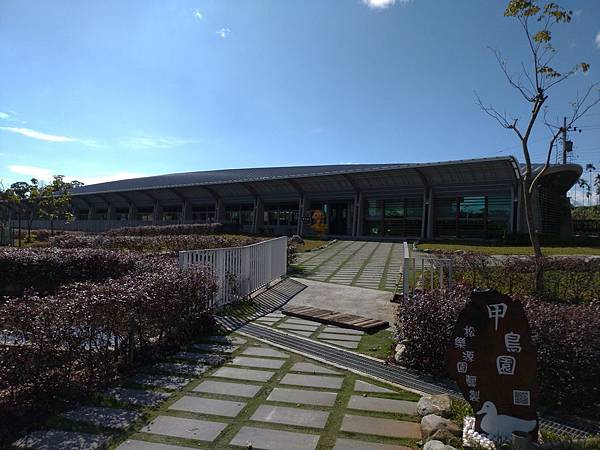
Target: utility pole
(567, 145)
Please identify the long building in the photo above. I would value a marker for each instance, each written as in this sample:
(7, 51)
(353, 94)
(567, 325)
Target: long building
(476, 198)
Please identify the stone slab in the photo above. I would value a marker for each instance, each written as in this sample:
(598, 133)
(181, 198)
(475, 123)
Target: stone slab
(215, 347)
(263, 351)
(190, 370)
(103, 417)
(235, 389)
(291, 416)
(262, 363)
(228, 340)
(381, 427)
(332, 329)
(132, 444)
(304, 397)
(312, 368)
(345, 344)
(202, 430)
(137, 397)
(300, 333)
(200, 357)
(276, 315)
(170, 382)
(382, 405)
(313, 381)
(243, 374)
(363, 386)
(293, 326)
(212, 406)
(269, 320)
(351, 444)
(265, 439)
(302, 322)
(340, 337)
(61, 440)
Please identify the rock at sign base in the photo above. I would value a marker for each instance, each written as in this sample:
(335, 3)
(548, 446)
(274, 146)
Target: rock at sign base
(434, 427)
(435, 404)
(437, 445)
(295, 239)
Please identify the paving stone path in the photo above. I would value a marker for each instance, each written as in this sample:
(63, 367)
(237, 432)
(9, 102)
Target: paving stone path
(252, 394)
(330, 334)
(374, 265)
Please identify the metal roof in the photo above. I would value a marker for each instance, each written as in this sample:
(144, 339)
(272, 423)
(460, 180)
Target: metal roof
(229, 176)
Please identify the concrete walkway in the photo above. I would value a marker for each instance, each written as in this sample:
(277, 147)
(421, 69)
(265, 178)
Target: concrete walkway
(373, 265)
(374, 304)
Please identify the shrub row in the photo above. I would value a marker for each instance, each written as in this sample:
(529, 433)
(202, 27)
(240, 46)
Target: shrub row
(71, 343)
(566, 279)
(167, 230)
(43, 270)
(160, 243)
(567, 339)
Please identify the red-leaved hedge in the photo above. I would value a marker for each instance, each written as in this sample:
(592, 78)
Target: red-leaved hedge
(567, 339)
(160, 243)
(43, 270)
(167, 230)
(60, 347)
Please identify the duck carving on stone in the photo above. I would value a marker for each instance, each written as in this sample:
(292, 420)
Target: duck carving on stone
(500, 426)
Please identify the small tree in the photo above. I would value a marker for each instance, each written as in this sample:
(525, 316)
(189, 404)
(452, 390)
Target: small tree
(590, 168)
(55, 200)
(534, 83)
(597, 184)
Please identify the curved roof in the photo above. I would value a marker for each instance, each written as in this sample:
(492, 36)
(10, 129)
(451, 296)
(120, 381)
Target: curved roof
(470, 170)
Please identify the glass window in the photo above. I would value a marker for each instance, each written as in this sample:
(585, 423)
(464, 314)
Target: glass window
(394, 208)
(374, 208)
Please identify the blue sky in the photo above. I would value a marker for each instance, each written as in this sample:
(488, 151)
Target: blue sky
(100, 90)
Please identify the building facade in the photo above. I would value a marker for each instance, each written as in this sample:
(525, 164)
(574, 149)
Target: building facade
(479, 198)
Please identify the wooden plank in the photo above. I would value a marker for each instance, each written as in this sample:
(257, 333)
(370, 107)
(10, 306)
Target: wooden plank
(339, 319)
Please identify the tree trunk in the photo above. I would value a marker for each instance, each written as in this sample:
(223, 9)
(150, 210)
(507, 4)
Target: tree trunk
(533, 236)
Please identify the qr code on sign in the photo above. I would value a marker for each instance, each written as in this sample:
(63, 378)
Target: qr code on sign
(521, 398)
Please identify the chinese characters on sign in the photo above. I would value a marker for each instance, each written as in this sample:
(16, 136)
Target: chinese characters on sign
(492, 359)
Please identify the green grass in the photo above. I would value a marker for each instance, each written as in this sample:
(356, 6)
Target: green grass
(509, 249)
(378, 345)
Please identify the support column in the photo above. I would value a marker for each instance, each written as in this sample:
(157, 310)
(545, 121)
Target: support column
(424, 219)
(359, 215)
(157, 213)
(186, 212)
(110, 212)
(132, 215)
(219, 211)
(300, 225)
(430, 216)
(258, 216)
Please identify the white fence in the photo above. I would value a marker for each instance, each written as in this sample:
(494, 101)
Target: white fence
(424, 273)
(240, 271)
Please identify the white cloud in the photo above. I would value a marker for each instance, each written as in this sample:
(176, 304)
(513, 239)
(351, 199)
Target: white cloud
(32, 172)
(5, 115)
(382, 4)
(198, 15)
(38, 135)
(142, 142)
(598, 40)
(223, 32)
(46, 175)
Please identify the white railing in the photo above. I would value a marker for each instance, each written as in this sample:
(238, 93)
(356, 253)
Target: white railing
(240, 271)
(424, 273)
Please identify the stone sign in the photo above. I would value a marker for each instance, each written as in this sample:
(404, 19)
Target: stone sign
(493, 361)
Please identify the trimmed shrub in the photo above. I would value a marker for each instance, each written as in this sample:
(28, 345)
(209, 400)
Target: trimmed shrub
(87, 335)
(161, 243)
(167, 230)
(567, 339)
(43, 270)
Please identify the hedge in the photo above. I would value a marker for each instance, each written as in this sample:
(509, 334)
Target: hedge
(160, 243)
(167, 230)
(567, 339)
(566, 279)
(67, 345)
(43, 270)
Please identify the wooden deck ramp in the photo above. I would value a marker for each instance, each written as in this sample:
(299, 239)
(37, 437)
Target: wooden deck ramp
(339, 319)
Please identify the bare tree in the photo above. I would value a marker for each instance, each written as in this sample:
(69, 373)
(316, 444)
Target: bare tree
(534, 82)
